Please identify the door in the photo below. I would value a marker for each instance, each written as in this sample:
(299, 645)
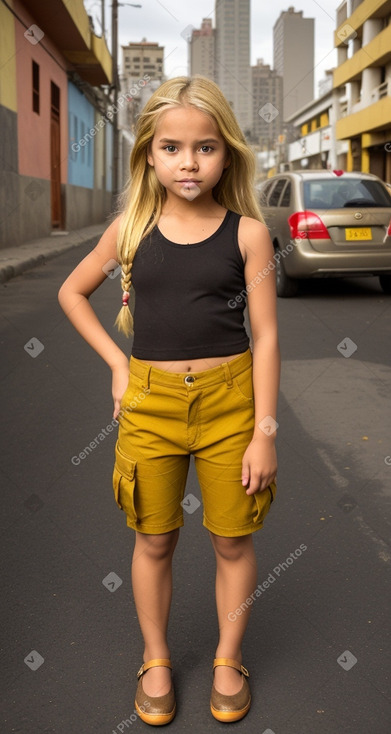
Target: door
(55, 157)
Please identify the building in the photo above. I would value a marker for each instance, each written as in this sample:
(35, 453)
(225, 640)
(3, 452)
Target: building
(314, 144)
(145, 57)
(267, 105)
(142, 71)
(293, 59)
(55, 146)
(232, 62)
(202, 50)
(362, 82)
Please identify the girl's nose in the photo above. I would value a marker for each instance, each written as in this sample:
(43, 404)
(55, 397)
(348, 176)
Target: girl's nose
(189, 161)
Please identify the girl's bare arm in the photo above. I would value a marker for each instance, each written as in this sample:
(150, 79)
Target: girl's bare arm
(260, 464)
(73, 298)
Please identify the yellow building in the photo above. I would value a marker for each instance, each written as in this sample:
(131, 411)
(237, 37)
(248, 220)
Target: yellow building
(363, 81)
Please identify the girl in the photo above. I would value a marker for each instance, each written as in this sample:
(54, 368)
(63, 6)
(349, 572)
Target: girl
(192, 242)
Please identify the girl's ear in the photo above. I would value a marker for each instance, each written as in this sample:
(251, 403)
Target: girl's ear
(227, 161)
(149, 155)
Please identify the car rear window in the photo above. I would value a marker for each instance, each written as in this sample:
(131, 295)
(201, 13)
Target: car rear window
(344, 192)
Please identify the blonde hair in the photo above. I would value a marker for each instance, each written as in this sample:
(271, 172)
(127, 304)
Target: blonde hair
(144, 195)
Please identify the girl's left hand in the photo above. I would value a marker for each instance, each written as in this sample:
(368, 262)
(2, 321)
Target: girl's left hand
(259, 465)
(120, 379)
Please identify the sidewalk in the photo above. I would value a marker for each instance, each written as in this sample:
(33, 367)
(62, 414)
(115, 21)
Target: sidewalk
(15, 260)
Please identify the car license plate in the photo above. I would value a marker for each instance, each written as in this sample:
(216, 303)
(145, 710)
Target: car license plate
(358, 233)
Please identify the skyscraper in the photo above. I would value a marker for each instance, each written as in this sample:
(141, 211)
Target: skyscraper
(293, 51)
(232, 62)
(142, 73)
(267, 93)
(202, 50)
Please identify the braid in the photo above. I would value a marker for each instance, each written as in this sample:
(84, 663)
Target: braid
(124, 320)
(126, 282)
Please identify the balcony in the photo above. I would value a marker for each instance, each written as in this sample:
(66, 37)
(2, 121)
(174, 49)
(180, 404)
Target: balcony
(66, 23)
(315, 143)
(365, 10)
(375, 53)
(373, 117)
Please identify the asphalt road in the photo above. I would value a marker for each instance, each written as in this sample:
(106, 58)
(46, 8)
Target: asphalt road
(318, 642)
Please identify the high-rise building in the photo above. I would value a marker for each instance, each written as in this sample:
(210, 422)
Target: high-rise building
(267, 105)
(293, 51)
(142, 72)
(142, 58)
(202, 50)
(232, 58)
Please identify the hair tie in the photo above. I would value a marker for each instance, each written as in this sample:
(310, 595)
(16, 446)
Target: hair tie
(125, 298)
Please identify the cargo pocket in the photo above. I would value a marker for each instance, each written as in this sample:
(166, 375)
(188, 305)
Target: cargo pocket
(263, 501)
(124, 482)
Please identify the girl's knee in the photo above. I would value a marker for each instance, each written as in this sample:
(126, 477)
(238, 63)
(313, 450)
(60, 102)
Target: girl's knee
(157, 547)
(231, 549)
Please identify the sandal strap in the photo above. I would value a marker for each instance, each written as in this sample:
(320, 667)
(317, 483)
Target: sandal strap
(158, 662)
(230, 663)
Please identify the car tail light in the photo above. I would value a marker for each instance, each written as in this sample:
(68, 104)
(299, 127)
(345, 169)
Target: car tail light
(389, 229)
(307, 225)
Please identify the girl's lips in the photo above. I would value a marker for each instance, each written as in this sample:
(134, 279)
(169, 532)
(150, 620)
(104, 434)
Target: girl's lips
(189, 184)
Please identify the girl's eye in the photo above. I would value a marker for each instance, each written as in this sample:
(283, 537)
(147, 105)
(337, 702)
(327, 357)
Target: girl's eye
(206, 146)
(170, 148)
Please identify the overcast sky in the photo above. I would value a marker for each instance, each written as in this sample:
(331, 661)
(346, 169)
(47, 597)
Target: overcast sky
(164, 21)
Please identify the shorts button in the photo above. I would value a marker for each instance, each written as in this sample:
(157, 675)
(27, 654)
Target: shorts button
(189, 379)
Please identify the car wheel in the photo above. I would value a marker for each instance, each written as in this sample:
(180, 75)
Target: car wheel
(385, 282)
(286, 287)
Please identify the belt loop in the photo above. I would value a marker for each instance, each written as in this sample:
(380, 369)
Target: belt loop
(227, 373)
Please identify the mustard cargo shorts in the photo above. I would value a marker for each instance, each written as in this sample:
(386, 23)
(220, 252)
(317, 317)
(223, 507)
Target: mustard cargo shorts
(167, 416)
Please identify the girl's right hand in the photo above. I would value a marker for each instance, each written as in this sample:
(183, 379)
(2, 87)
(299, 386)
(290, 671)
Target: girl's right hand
(120, 379)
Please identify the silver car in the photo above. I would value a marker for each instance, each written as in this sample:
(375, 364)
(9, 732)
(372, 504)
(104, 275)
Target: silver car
(327, 223)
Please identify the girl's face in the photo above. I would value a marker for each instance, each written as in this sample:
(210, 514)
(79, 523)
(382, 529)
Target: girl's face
(188, 152)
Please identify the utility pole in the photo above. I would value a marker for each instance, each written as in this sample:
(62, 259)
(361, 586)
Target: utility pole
(103, 21)
(114, 56)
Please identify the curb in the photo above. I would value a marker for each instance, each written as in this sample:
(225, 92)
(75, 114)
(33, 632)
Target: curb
(11, 271)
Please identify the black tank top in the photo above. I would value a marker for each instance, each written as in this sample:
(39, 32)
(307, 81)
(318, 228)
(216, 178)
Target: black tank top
(185, 305)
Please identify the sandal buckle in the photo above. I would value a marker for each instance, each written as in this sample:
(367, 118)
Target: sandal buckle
(244, 671)
(140, 672)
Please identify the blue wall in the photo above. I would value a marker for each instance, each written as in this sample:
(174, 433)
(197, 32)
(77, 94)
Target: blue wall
(81, 142)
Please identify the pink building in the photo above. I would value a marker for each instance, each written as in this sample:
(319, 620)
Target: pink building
(49, 55)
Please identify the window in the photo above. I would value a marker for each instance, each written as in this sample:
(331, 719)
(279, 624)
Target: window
(82, 133)
(55, 99)
(264, 193)
(275, 194)
(35, 87)
(286, 197)
(344, 193)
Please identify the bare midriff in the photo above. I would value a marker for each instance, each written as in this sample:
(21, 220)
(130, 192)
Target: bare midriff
(189, 365)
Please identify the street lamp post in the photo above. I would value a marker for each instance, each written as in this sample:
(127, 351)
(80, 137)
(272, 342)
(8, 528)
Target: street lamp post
(114, 55)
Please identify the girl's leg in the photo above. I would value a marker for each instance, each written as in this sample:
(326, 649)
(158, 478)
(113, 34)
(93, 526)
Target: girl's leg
(152, 589)
(236, 575)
